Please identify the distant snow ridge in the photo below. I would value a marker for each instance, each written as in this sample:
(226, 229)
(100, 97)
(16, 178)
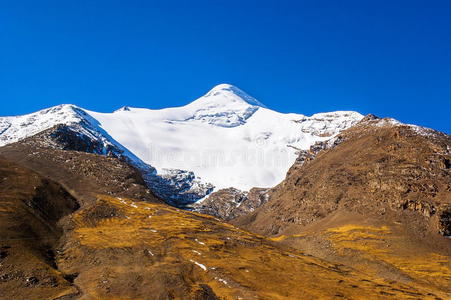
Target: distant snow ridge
(328, 124)
(13, 129)
(226, 138)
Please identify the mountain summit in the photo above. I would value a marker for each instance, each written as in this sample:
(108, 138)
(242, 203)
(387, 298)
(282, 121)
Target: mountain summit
(227, 92)
(224, 105)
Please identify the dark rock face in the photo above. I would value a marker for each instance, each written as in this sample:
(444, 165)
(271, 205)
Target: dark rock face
(179, 188)
(66, 138)
(228, 204)
(305, 156)
(444, 223)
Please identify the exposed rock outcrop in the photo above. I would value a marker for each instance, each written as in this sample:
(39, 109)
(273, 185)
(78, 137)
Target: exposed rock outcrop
(228, 204)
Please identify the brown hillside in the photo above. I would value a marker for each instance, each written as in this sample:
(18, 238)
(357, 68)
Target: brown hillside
(118, 248)
(378, 198)
(83, 174)
(30, 210)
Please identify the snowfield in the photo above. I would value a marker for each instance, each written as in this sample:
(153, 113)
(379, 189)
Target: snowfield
(224, 139)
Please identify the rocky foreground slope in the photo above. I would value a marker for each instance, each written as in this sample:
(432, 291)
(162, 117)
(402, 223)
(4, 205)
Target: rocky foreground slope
(57, 246)
(377, 197)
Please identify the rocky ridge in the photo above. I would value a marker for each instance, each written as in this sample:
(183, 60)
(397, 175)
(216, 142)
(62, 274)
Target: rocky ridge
(228, 204)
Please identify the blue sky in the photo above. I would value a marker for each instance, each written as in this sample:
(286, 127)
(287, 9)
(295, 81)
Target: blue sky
(389, 58)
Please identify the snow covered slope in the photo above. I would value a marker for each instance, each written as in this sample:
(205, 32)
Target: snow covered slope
(224, 139)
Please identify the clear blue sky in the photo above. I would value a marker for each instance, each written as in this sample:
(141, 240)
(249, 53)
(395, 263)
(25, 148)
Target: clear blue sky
(390, 58)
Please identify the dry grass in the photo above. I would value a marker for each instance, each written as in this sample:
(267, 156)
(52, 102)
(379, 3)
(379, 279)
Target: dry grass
(371, 243)
(157, 240)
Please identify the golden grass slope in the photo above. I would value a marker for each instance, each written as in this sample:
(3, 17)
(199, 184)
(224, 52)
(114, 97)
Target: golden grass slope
(121, 249)
(428, 268)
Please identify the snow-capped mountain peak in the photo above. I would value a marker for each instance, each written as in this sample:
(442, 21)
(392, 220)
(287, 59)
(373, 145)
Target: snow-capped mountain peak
(225, 106)
(223, 93)
(226, 138)
(15, 128)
